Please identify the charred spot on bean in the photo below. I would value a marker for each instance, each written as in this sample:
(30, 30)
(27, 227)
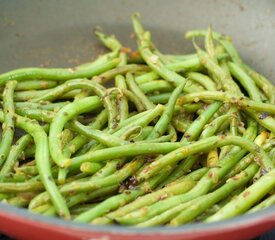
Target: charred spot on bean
(149, 158)
(246, 193)
(115, 222)
(205, 107)
(263, 171)
(263, 115)
(11, 128)
(50, 178)
(119, 166)
(129, 184)
(187, 136)
(72, 192)
(115, 124)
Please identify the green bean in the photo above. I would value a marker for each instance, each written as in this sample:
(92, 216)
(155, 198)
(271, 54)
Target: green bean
(141, 119)
(227, 98)
(214, 126)
(121, 70)
(151, 59)
(165, 195)
(138, 92)
(28, 186)
(143, 134)
(35, 85)
(90, 167)
(16, 150)
(132, 133)
(12, 178)
(261, 81)
(223, 80)
(104, 138)
(42, 161)
(18, 201)
(41, 209)
(84, 186)
(156, 85)
(123, 104)
(30, 94)
(202, 79)
(198, 206)
(124, 151)
(71, 85)
(164, 138)
(241, 165)
(174, 57)
(8, 124)
(209, 44)
(167, 115)
(182, 168)
(120, 200)
(188, 211)
(82, 83)
(267, 87)
(147, 77)
(245, 80)
(196, 126)
(202, 145)
(58, 74)
(180, 124)
(185, 65)
(223, 40)
(203, 186)
(161, 98)
(109, 41)
(173, 189)
(266, 121)
(4, 197)
(27, 170)
(80, 198)
(80, 140)
(44, 106)
(37, 114)
(134, 99)
(66, 113)
(269, 201)
(246, 199)
(76, 210)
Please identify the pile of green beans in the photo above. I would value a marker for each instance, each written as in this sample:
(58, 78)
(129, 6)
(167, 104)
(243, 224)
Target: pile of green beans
(140, 137)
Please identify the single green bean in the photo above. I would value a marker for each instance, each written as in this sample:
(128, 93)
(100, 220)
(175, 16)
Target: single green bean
(121, 70)
(138, 92)
(43, 164)
(162, 124)
(8, 124)
(16, 150)
(35, 85)
(66, 113)
(156, 85)
(123, 103)
(58, 74)
(245, 80)
(241, 102)
(269, 201)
